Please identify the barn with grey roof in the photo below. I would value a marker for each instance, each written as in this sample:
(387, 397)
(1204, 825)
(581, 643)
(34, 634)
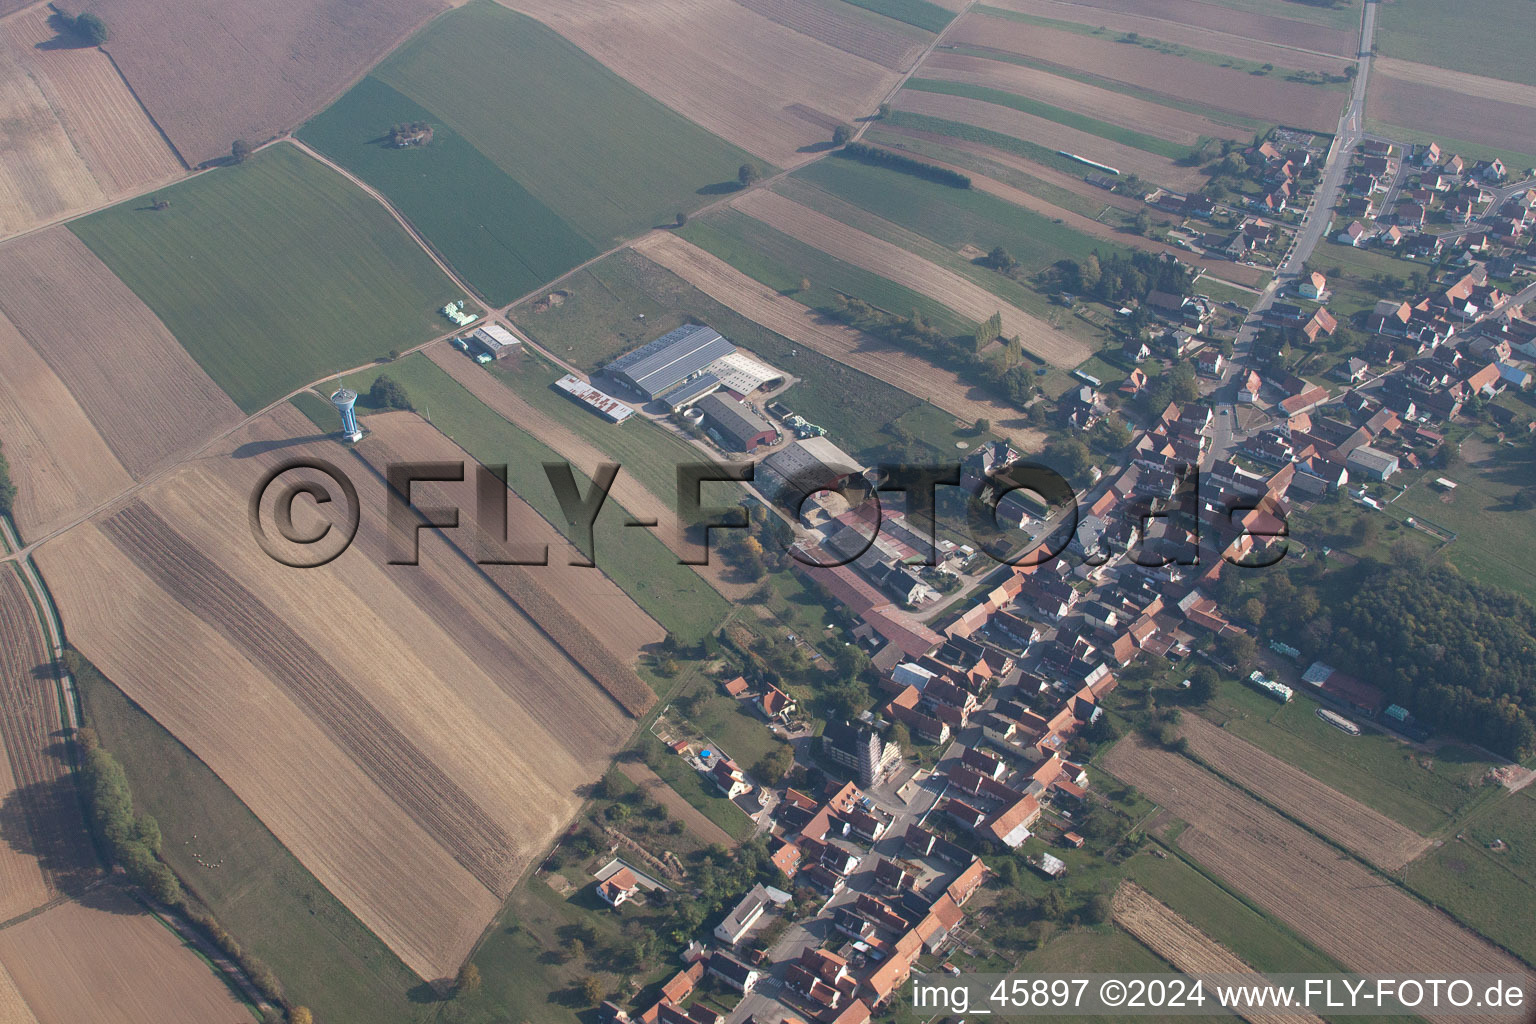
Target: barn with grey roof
(678, 356)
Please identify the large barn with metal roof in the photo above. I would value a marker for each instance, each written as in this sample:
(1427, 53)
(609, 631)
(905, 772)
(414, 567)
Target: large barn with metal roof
(677, 356)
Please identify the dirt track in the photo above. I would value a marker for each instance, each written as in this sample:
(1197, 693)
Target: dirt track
(1355, 916)
(655, 787)
(1156, 926)
(1369, 833)
(724, 283)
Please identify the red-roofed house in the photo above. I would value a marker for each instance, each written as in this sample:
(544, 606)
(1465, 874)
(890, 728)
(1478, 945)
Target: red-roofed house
(618, 887)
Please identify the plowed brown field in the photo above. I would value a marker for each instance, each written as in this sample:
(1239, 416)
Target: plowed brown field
(1343, 819)
(888, 47)
(1201, 33)
(764, 87)
(147, 397)
(410, 733)
(60, 464)
(1507, 123)
(41, 813)
(1156, 926)
(724, 283)
(211, 74)
(1198, 15)
(998, 118)
(108, 962)
(1357, 917)
(1267, 97)
(13, 1008)
(1105, 104)
(890, 261)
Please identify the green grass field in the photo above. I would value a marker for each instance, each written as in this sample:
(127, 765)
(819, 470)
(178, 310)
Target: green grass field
(600, 318)
(1082, 122)
(1480, 36)
(504, 248)
(674, 595)
(927, 16)
(600, 153)
(1374, 768)
(259, 892)
(1481, 885)
(273, 273)
(779, 261)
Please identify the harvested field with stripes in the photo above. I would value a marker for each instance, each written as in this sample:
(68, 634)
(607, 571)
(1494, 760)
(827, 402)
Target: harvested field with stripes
(414, 735)
(998, 118)
(891, 45)
(40, 818)
(1156, 926)
(767, 88)
(851, 245)
(1359, 918)
(724, 283)
(1343, 819)
(1105, 104)
(1266, 97)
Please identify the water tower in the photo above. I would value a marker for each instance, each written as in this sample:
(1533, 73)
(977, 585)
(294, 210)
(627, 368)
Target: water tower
(344, 400)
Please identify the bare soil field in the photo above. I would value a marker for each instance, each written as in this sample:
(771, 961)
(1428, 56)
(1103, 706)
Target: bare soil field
(1040, 131)
(890, 48)
(60, 464)
(1199, 16)
(1457, 81)
(1267, 97)
(1369, 833)
(754, 82)
(41, 813)
(212, 74)
(409, 732)
(655, 787)
(1156, 926)
(42, 176)
(1202, 34)
(23, 886)
(1105, 104)
(13, 1008)
(1508, 124)
(119, 143)
(1357, 917)
(725, 284)
(853, 246)
(107, 961)
(628, 491)
(147, 397)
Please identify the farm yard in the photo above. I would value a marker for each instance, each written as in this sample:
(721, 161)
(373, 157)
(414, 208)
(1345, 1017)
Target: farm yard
(788, 318)
(416, 737)
(1263, 96)
(763, 87)
(106, 961)
(75, 135)
(578, 157)
(210, 76)
(1363, 921)
(273, 273)
(864, 33)
(1188, 949)
(147, 398)
(1372, 835)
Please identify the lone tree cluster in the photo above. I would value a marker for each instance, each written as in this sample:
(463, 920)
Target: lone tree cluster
(416, 133)
(87, 27)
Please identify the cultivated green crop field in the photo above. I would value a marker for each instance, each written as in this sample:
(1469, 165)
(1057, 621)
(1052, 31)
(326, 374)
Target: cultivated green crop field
(779, 261)
(603, 155)
(259, 892)
(927, 16)
(1082, 122)
(674, 595)
(504, 247)
(273, 273)
(1484, 37)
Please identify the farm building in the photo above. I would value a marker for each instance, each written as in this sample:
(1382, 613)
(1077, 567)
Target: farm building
(735, 423)
(1371, 463)
(600, 402)
(675, 358)
(807, 466)
(495, 341)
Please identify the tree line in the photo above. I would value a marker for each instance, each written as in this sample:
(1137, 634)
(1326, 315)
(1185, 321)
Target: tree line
(906, 165)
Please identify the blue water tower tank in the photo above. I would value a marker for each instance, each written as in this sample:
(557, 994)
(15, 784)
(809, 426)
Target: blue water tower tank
(344, 400)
